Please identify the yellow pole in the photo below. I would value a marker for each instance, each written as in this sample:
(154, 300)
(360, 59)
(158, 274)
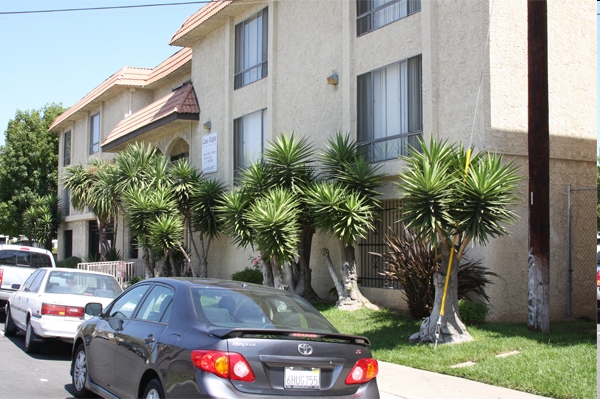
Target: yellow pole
(450, 260)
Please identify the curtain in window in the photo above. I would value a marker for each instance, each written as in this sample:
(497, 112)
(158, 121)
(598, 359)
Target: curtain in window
(252, 49)
(390, 13)
(95, 134)
(249, 136)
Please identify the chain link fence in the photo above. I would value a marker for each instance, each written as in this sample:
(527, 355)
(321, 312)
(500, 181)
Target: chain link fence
(582, 208)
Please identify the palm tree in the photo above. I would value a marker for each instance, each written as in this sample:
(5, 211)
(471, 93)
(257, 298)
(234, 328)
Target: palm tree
(94, 187)
(204, 202)
(344, 205)
(446, 205)
(42, 219)
(286, 165)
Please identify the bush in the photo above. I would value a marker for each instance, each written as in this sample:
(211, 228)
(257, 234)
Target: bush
(70, 262)
(248, 275)
(472, 313)
(412, 262)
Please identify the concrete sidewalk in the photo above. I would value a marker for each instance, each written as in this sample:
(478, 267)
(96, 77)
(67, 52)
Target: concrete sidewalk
(400, 382)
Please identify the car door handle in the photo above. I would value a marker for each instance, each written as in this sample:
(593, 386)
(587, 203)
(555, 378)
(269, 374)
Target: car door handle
(149, 339)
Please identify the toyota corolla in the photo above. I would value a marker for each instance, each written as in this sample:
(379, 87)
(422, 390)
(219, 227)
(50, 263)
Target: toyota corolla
(192, 338)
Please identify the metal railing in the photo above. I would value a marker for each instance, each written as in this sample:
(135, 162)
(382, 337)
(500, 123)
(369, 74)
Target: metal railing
(121, 270)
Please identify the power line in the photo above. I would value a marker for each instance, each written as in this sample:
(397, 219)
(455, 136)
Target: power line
(106, 8)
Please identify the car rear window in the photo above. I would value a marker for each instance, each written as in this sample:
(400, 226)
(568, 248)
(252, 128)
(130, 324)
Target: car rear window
(24, 258)
(82, 284)
(257, 309)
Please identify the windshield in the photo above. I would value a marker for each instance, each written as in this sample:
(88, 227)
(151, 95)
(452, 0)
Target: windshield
(75, 283)
(261, 310)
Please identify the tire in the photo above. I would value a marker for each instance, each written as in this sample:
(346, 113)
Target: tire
(79, 373)
(31, 345)
(154, 390)
(10, 329)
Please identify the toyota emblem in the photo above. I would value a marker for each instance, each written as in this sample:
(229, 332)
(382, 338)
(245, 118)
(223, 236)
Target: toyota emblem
(305, 349)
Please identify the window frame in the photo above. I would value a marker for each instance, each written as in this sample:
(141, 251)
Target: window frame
(241, 49)
(412, 7)
(238, 136)
(67, 136)
(365, 112)
(94, 135)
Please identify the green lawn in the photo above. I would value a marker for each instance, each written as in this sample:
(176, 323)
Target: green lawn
(560, 364)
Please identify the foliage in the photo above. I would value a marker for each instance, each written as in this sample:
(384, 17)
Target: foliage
(569, 349)
(42, 219)
(598, 194)
(472, 312)
(440, 201)
(70, 262)
(412, 262)
(28, 164)
(248, 275)
(113, 255)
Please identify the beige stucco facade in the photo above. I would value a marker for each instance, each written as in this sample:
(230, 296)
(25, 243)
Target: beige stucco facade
(474, 90)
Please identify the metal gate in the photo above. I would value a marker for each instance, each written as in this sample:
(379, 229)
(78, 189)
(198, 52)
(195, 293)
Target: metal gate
(582, 220)
(370, 266)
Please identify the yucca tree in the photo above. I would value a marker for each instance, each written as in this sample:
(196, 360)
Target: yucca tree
(273, 219)
(42, 219)
(344, 205)
(154, 219)
(287, 163)
(204, 201)
(452, 206)
(94, 187)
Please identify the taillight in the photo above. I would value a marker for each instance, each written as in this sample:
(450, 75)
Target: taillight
(1, 276)
(597, 278)
(61, 310)
(364, 370)
(229, 365)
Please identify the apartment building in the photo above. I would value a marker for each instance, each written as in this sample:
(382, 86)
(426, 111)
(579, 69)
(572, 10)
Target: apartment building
(386, 71)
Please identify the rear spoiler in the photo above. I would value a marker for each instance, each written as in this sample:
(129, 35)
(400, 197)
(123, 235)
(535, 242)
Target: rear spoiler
(224, 332)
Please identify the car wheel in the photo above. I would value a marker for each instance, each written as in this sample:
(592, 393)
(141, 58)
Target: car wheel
(154, 390)
(31, 343)
(10, 329)
(79, 373)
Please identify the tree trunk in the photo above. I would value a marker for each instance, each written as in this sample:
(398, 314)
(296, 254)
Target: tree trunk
(148, 267)
(267, 272)
(334, 276)
(277, 274)
(173, 260)
(203, 273)
(103, 243)
(351, 297)
(451, 329)
(191, 235)
(302, 272)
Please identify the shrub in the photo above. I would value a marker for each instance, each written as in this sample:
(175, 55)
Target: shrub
(70, 262)
(248, 275)
(412, 262)
(472, 312)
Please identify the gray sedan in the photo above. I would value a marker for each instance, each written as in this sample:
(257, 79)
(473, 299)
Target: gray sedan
(184, 338)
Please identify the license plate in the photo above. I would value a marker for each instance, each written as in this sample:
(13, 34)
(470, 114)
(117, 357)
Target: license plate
(302, 378)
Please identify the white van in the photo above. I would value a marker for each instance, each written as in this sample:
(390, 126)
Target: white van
(17, 262)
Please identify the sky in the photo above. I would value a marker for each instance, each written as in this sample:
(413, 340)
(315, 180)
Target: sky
(59, 57)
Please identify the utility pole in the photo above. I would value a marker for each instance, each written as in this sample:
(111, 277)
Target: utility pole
(538, 301)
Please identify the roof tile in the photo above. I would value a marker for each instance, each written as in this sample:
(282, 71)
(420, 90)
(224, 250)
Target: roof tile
(199, 17)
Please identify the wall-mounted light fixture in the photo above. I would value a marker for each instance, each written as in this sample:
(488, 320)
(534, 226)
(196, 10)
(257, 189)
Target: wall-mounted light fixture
(206, 125)
(332, 79)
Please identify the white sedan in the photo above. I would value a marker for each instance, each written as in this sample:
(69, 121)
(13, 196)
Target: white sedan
(51, 301)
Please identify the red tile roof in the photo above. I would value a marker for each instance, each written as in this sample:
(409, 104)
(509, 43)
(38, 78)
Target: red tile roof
(180, 104)
(129, 77)
(199, 17)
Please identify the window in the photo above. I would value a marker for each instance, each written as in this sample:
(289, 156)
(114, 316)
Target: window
(373, 14)
(390, 110)
(249, 133)
(156, 304)
(94, 133)
(125, 306)
(66, 202)
(251, 49)
(67, 148)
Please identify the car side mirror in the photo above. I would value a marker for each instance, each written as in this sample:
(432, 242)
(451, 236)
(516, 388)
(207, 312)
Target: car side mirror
(93, 309)
(15, 286)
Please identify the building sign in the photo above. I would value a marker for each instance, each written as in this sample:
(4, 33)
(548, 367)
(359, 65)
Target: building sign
(209, 153)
